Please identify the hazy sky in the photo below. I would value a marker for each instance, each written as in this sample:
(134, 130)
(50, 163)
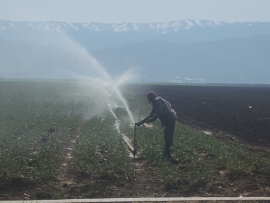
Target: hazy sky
(118, 11)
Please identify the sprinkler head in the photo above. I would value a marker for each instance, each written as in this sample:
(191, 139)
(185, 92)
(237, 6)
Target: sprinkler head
(134, 152)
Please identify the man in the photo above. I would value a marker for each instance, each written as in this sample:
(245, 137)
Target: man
(162, 110)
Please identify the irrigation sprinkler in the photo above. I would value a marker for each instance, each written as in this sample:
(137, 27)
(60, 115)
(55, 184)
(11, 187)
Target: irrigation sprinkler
(126, 139)
(134, 143)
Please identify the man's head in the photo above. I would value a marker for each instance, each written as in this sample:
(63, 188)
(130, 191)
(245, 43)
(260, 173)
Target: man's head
(151, 96)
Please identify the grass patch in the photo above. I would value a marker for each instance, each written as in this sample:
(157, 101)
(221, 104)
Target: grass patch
(101, 151)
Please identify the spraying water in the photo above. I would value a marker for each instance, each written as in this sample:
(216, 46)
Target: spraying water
(116, 90)
(54, 55)
(57, 56)
(105, 76)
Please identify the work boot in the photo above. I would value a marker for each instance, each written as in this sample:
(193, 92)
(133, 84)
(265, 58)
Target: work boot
(167, 155)
(167, 152)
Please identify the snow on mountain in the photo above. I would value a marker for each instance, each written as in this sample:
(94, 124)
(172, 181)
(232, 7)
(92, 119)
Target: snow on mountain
(198, 22)
(173, 26)
(95, 36)
(189, 24)
(121, 27)
(71, 25)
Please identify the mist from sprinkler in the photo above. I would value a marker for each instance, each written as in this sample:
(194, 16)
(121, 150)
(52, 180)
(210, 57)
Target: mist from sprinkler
(95, 64)
(54, 55)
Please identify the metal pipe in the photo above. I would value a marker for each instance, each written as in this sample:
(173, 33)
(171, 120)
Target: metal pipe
(134, 152)
(128, 144)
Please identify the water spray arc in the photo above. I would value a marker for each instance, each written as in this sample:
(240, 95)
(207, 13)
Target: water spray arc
(115, 90)
(104, 76)
(87, 63)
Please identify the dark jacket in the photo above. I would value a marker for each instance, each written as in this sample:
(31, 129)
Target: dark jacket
(162, 110)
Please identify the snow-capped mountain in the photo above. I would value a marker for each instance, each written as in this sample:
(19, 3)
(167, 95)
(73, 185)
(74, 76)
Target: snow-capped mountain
(100, 35)
(178, 50)
(164, 28)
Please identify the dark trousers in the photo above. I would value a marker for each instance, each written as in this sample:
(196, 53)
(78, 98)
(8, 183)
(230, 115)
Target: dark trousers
(168, 134)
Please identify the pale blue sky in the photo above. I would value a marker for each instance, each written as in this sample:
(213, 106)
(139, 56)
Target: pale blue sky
(118, 11)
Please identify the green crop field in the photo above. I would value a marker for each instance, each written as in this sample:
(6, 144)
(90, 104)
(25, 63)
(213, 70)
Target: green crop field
(40, 119)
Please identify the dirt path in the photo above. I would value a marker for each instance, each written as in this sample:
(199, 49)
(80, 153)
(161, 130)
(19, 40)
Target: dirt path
(66, 177)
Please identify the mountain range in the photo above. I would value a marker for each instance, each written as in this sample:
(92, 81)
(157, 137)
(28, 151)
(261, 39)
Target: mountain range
(178, 51)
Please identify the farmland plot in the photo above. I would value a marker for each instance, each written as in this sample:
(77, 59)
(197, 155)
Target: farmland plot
(37, 120)
(59, 140)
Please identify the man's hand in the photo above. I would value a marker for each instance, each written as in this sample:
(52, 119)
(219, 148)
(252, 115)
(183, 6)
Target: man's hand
(139, 124)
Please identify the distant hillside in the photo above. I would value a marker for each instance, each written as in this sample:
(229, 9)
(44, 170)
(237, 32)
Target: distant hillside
(95, 36)
(240, 60)
(178, 51)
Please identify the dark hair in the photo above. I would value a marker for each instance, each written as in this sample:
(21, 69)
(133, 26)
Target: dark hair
(151, 96)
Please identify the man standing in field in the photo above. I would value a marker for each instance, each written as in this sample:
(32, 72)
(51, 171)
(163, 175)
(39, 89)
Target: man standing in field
(162, 110)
